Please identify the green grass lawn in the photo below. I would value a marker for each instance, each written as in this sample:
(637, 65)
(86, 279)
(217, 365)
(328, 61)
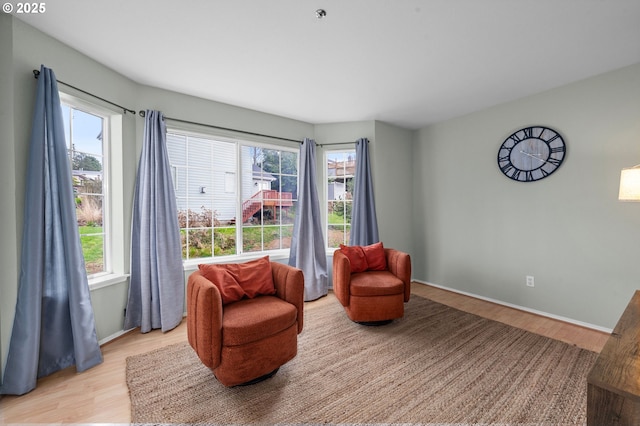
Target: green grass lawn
(335, 219)
(92, 241)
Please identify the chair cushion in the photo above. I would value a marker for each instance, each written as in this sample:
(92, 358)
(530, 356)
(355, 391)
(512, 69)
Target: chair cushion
(250, 320)
(375, 283)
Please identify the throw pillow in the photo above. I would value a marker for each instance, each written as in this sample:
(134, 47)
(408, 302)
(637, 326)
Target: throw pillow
(366, 258)
(228, 286)
(238, 280)
(255, 277)
(356, 257)
(376, 260)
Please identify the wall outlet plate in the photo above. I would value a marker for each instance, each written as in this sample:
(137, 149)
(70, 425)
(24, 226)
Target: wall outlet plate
(530, 282)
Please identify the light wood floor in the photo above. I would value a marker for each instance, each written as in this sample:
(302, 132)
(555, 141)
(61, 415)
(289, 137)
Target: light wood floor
(100, 395)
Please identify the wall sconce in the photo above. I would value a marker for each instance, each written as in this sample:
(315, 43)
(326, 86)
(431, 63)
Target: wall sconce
(630, 184)
(203, 189)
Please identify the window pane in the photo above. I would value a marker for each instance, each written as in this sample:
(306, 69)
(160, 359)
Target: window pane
(199, 153)
(177, 149)
(251, 239)
(84, 133)
(340, 169)
(199, 243)
(268, 200)
(287, 233)
(290, 163)
(203, 171)
(336, 236)
(213, 195)
(89, 211)
(288, 212)
(224, 241)
(93, 249)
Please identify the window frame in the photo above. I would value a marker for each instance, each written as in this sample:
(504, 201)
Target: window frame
(239, 142)
(326, 177)
(112, 158)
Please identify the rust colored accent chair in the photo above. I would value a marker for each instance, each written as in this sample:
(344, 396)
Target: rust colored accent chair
(372, 282)
(243, 319)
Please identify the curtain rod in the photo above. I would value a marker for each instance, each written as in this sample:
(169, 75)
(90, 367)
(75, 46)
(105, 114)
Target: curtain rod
(339, 143)
(36, 74)
(142, 114)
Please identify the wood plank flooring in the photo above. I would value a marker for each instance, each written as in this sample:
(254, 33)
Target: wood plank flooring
(100, 395)
(582, 337)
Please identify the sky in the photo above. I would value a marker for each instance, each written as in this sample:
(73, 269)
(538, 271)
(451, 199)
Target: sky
(85, 132)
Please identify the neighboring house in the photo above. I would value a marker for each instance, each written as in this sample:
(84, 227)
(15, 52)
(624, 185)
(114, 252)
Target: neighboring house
(261, 179)
(339, 172)
(207, 172)
(83, 175)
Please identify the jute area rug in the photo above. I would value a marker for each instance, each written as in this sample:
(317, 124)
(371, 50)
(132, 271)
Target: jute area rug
(437, 365)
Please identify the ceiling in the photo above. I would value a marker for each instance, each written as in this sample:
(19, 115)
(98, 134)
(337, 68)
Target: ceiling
(406, 62)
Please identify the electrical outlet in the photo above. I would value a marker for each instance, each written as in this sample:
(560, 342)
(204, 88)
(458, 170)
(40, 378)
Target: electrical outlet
(530, 282)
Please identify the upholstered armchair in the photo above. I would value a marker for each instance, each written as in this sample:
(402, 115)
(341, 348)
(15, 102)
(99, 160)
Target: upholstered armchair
(372, 282)
(243, 319)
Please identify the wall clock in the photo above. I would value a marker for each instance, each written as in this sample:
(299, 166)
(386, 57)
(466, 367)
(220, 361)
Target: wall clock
(531, 154)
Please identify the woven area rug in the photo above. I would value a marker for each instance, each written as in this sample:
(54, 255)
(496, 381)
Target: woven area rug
(437, 365)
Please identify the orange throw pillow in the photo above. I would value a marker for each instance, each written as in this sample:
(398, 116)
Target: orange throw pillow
(356, 257)
(228, 286)
(237, 280)
(366, 258)
(376, 260)
(255, 277)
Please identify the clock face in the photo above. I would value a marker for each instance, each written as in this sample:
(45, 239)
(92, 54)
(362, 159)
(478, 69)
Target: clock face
(531, 154)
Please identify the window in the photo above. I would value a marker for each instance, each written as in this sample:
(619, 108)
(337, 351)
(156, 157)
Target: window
(86, 133)
(340, 169)
(233, 197)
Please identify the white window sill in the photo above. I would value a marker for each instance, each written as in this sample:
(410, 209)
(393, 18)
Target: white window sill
(106, 280)
(192, 264)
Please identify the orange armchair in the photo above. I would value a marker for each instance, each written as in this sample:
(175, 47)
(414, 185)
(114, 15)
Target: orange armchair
(372, 296)
(247, 340)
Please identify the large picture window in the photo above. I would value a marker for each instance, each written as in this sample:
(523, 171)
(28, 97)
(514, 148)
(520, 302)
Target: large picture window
(87, 141)
(232, 197)
(340, 170)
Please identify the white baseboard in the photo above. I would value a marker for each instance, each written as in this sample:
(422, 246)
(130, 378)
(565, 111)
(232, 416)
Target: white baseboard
(113, 336)
(121, 332)
(520, 308)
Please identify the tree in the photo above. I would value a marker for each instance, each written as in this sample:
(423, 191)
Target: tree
(281, 163)
(86, 162)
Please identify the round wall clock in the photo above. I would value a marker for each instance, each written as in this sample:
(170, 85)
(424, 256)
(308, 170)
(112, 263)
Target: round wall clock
(531, 154)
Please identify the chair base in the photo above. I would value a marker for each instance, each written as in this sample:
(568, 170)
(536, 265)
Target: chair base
(374, 323)
(260, 379)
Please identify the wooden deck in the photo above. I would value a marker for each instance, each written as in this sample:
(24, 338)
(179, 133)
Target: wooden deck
(267, 198)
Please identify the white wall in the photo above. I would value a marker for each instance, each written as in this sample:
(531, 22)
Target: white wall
(393, 183)
(477, 231)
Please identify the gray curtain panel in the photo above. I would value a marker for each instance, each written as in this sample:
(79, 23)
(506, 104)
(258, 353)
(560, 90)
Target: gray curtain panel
(156, 288)
(364, 223)
(307, 245)
(54, 326)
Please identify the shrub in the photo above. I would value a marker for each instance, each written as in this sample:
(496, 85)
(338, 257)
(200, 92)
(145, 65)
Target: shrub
(89, 210)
